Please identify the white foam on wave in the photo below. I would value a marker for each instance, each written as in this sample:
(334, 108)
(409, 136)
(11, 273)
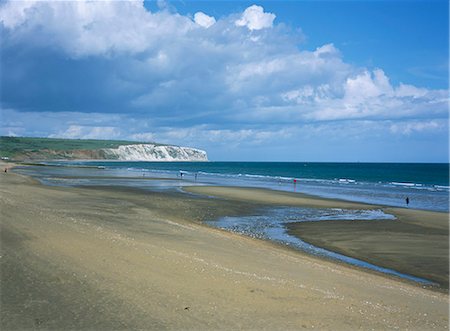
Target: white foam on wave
(442, 187)
(405, 184)
(346, 180)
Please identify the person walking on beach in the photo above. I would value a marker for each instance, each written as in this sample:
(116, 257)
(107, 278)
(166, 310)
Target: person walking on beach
(6, 169)
(407, 201)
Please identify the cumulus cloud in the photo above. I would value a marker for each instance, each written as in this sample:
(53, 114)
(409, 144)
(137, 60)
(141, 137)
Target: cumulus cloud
(367, 85)
(366, 94)
(83, 28)
(204, 20)
(114, 69)
(254, 18)
(126, 58)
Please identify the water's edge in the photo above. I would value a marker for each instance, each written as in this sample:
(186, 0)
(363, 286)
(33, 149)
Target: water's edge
(269, 225)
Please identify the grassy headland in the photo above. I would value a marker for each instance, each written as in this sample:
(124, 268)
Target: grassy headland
(25, 147)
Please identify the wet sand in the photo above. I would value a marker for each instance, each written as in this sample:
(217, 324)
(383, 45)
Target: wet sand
(272, 197)
(416, 243)
(79, 258)
(119, 177)
(416, 250)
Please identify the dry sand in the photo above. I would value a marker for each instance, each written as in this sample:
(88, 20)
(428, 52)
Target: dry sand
(75, 258)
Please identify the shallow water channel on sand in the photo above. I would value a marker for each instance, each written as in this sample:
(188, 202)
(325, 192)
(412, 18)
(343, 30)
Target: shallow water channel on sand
(270, 224)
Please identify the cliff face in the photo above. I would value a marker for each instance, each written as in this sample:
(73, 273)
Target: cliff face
(136, 152)
(150, 152)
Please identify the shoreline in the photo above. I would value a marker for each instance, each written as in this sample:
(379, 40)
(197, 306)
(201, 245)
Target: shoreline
(341, 237)
(264, 197)
(107, 258)
(391, 199)
(296, 198)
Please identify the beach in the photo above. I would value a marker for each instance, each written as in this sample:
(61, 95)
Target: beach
(121, 258)
(415, 249)
(416, 243)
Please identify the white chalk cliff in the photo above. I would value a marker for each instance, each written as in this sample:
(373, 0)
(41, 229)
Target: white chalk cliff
(151, 152)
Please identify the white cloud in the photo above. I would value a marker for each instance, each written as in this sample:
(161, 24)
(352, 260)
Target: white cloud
(144, 136)
(84, 28)
(369, 94)
(405, 90)
(202, 136)
(87, 132)
(410, 127)
(300, 95)
(254, 18)
(367, 85)
(204, 20)
(326, 50)
(13, 14)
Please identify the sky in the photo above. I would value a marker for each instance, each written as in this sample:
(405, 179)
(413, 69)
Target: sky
(327, 81)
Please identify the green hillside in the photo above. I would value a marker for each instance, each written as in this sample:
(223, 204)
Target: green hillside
(18, 146)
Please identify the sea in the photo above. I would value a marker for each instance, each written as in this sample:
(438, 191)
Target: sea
(426, 185)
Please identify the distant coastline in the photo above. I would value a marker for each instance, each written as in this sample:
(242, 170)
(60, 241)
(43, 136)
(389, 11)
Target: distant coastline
(45, 149)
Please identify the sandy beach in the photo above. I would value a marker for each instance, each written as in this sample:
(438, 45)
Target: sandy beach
(116, 258)
(416, 249)
(416, 243)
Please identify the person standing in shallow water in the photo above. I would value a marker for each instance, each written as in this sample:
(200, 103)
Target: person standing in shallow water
(407, 201)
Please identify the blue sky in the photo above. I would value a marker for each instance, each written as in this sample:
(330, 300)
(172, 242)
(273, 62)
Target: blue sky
(257, 81)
